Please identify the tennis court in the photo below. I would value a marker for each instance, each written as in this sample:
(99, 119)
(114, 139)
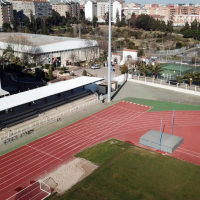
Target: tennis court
(126, 121)
(175, 69)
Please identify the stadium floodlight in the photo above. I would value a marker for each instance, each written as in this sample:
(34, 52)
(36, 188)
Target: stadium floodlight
(109, 54)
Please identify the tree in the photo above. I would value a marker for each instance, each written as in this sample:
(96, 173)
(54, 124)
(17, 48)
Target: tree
(133, 21)
(194, 25)
(155, 69)
(197, 77)
(84, 73)
(124, 69)
(140, 52)
(50, 74)
(117, 16)
(106, 18)
(6, 26)
(143, 68)
(179, 79)
(94, 21)
(73, 58)
(190, 76)
(169, 27)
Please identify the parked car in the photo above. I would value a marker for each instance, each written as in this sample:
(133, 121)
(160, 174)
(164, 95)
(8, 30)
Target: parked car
(95, 66)
(173, 82)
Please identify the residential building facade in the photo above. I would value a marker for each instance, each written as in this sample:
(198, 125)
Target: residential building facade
(6, 12)
(39, 8)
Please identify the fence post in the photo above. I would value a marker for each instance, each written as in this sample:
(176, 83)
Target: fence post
(169, 82)
(195, 88)
(177, 85)
(138, 78)
(186, 86)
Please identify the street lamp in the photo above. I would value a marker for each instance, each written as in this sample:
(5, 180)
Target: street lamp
(190, 81)
(181, 65)
(195, 58)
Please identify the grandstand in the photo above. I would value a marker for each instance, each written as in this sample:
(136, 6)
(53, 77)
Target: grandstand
(27, 105)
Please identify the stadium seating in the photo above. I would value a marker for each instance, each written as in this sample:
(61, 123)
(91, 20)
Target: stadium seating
(32, 113)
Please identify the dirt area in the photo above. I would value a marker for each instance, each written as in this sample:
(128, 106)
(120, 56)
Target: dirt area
(69, 174)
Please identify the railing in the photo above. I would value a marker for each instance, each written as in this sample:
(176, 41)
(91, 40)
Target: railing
(161, 83)
(13, 134)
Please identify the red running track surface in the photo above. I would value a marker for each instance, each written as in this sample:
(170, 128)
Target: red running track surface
(124, 120)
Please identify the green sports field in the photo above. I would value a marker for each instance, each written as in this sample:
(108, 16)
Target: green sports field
(174, 69)
(129, 172)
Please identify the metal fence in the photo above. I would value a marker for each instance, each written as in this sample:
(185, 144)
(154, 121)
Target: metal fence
(174, 51)
(9, 135)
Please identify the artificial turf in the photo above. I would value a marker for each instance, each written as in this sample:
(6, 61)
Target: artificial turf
(130, 172)
(162, 105)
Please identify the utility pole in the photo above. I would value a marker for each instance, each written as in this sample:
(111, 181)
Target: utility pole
(109, 53)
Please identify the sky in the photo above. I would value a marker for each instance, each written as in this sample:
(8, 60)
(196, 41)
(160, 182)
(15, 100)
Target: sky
(163, 1)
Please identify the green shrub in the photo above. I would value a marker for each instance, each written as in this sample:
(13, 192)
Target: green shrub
(124, 69)
(84, 73)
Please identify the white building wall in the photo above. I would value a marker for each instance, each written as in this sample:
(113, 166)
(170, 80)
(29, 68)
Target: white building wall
(89, 11)
(132, 53)
(117, 6)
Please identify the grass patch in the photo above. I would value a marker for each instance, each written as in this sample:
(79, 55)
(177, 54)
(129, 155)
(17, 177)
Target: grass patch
(135, 173)
(162, 105)
(108, 150)
(173, 58)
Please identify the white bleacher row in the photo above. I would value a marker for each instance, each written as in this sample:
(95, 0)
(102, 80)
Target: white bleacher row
(17, 131)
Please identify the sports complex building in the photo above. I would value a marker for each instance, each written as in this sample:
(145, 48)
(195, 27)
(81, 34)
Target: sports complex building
(44, 48)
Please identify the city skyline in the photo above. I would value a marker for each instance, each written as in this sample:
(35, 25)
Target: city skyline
(163, 2)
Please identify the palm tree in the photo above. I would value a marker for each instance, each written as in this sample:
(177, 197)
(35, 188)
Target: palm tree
(179, 79)
(190, 76)
(197, 77)
(155, 69)
(143, 69)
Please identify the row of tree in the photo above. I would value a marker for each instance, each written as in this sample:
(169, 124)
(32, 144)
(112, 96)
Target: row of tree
(145, 22)
(157, 69)
(192, 30)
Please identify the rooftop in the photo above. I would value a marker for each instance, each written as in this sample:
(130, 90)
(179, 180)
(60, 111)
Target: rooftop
(46, 91)
(46, 43)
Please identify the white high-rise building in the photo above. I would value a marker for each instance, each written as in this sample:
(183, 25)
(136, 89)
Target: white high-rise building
(117, 7)
(90, 10)
(103, 8)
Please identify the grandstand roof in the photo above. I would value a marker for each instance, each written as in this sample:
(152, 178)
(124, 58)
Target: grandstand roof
(42, 92)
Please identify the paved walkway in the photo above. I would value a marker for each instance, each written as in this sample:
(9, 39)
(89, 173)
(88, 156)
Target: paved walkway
(128, 90)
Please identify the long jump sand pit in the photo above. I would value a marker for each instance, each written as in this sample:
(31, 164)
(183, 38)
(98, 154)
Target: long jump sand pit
(71, 173)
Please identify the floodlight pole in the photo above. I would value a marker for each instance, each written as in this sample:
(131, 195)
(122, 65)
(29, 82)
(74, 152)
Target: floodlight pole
(160, 135)
(172, 123)
(109, 53)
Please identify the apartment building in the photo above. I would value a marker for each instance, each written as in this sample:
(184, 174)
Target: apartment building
(90, 10)
(136, 8)
(63, 6)
(179, 14)
(103, 7)
(73, 8)
(39, 8)
(180, 20)
(6, 12)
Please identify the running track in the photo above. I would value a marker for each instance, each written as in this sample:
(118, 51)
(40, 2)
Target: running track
(125, 121)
